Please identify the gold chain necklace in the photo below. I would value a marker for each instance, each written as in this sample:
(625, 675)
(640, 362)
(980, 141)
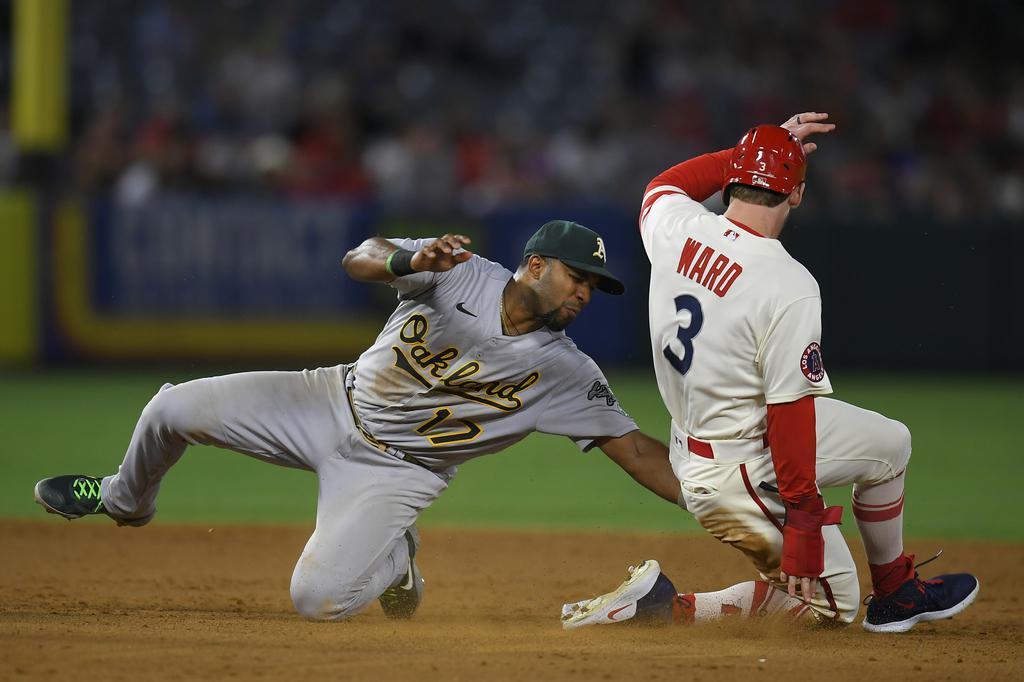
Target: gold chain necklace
(504, 315)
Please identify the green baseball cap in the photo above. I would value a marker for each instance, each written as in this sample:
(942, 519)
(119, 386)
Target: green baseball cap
(576, 246)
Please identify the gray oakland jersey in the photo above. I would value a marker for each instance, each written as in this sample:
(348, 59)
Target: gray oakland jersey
(444, 384)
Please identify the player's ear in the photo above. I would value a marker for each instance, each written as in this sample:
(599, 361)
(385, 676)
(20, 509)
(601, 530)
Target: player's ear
(796, 197)
(536, 266)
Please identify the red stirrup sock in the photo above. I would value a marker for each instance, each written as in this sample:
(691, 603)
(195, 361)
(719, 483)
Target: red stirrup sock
(886, 578)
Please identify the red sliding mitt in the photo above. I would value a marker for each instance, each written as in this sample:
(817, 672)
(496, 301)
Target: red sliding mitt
(803, 548)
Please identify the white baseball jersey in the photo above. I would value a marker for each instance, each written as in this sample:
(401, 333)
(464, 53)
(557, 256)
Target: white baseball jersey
(735, 320)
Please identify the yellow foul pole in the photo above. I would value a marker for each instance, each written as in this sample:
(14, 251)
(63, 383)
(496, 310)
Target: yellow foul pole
(39, 105)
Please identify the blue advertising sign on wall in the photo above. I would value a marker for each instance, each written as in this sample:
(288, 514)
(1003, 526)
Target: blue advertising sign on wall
(223, 279)
(234, 258)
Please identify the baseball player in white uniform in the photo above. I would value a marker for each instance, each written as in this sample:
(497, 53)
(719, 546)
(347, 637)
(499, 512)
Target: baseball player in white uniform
(472, 360)
(736, 332)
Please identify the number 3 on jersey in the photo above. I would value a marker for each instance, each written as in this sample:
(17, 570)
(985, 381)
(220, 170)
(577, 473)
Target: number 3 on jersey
(685, 334)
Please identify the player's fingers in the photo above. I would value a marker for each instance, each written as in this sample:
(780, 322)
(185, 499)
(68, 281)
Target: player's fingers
(807, 117)
(809, 147)
(803, 117)
(807, 588)
(815, 128)
(454, 240)
(463, 257)
(792, 586)
(802, 132)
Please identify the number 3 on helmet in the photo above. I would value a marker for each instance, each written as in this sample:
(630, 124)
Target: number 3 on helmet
(767, 157)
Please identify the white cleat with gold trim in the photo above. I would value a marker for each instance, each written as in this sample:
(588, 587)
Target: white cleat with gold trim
(645, 597)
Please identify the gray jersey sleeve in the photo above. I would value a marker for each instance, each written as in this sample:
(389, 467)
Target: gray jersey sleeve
(411, 286)
(585, 408)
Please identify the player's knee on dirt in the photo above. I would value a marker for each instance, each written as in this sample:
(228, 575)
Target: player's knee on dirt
(320, 593)
(316, 603)
(310, 605)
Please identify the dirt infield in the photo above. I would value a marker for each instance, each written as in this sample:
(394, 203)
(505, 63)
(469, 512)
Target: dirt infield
(87, 600)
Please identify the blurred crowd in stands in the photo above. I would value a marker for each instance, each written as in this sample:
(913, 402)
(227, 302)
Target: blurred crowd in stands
(470, 105)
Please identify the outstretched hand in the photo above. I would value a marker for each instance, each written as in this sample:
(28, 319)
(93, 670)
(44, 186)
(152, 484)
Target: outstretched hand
(440, 255)
(806, 124)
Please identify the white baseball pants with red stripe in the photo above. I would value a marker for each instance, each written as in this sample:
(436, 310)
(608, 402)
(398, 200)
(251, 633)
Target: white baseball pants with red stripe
(735, 498)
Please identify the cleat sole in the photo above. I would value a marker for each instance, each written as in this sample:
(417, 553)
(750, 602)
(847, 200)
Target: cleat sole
(627, 594)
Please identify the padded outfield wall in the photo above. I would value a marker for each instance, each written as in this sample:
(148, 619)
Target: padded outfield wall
(242, 279)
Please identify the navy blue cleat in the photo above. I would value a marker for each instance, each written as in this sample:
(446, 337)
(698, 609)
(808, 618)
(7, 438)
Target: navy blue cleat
(917, 601)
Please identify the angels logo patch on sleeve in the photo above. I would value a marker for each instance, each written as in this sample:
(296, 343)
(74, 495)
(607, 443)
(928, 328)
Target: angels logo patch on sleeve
(811, 363)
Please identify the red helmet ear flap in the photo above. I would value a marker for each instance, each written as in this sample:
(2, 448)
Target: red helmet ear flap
(767, 157)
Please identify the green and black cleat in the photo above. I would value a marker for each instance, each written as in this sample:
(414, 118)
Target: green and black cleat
(76, 496)
(70, 496)
(403, 598)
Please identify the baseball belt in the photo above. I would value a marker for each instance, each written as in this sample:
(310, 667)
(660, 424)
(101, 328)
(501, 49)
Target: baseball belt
(722, 451)
(350, 380)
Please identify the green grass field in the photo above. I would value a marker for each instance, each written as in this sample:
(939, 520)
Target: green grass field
(965, 470)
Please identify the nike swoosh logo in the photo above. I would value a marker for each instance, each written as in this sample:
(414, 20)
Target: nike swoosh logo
(409, 581)
(904, 604)
(611, 614)
(461, 309)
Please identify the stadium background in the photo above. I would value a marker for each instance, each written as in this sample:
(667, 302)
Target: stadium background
(178, 182)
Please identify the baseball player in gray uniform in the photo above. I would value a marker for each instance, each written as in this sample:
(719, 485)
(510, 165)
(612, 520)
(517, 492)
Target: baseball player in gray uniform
(472, 360)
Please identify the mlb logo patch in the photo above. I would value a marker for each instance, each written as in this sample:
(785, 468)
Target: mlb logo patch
(811, 363)
(732, 235)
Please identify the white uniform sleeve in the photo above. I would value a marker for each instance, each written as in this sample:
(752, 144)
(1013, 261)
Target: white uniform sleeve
(789, 357)
(585, 409)
(669, 212)
(410, 286)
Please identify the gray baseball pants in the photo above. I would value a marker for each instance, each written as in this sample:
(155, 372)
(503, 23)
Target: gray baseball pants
(367, 498)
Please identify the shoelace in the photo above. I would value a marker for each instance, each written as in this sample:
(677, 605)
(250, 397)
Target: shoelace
(867, 599)
(86, 489)
(928, 561)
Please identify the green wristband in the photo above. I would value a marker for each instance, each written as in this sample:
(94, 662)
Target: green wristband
(399, 263)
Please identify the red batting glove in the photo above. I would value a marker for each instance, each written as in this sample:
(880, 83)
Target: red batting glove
(803, 548)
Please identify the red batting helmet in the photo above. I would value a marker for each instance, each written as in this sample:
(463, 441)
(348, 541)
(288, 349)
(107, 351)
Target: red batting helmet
(767, 157)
